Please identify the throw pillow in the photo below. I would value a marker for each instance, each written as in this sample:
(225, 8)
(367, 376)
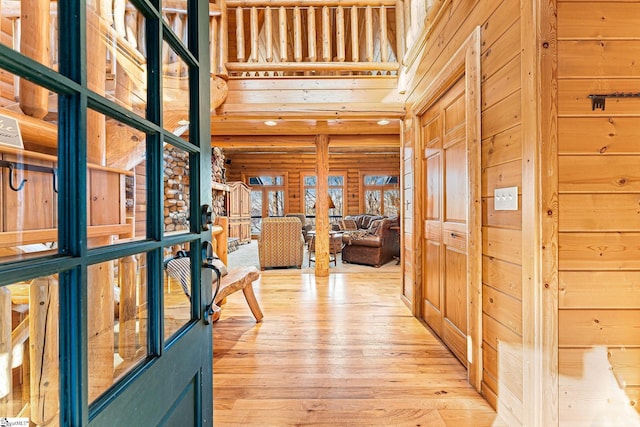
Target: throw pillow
(348, 224)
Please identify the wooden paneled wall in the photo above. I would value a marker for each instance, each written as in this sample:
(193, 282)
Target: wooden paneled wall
(501, 164)
(294, 165)
(599, 213)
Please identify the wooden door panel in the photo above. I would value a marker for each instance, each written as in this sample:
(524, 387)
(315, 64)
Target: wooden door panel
(455, 190)
(454, 235)
(433, 187)
(432, 274)
(456, 342)
(455, 298)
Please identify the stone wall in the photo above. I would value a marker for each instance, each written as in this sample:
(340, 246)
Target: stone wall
(176, 189)
(218, 176)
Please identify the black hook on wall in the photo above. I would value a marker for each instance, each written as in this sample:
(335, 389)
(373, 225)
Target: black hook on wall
(12, 166)
(598, 100)
(11, 185)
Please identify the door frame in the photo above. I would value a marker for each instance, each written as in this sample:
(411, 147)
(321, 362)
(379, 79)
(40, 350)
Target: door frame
(465, 62)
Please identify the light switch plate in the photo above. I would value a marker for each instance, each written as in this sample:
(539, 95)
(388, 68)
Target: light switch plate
(505, 199)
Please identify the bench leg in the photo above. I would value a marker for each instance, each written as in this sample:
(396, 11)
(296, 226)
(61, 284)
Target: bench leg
(253, 302)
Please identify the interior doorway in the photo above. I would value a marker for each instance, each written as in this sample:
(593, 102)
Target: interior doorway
(444, 161)
(449, 289)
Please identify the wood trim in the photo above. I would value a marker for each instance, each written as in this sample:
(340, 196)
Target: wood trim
(312, 172)
(465, 62)
(539, 213)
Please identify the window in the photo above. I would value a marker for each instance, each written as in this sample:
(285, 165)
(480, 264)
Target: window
(336, 193)
(381, 195)
(267, 199)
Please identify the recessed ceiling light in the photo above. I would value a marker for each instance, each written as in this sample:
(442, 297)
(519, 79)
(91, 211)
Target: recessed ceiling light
(183, 122)
(383, 122)
(270, 122)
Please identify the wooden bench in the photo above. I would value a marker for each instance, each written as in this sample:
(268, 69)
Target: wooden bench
(240, 278)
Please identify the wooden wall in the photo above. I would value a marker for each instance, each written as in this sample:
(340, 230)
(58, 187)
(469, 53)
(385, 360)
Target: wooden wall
(294, 165)
(501, 101)
(599, 213)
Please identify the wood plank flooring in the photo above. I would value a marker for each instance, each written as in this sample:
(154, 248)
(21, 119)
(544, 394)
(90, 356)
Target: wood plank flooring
(336, 351)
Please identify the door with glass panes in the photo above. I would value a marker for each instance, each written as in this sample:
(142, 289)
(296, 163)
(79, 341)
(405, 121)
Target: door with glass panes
(104, 140)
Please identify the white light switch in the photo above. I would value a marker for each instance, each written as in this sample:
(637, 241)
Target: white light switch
(505, 199)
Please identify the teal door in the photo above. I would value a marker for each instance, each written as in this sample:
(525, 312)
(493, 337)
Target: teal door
(105, 165)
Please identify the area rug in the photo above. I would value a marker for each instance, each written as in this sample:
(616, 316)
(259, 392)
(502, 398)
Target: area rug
(247, 254)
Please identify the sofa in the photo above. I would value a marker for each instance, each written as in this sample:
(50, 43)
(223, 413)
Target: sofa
(375, 242)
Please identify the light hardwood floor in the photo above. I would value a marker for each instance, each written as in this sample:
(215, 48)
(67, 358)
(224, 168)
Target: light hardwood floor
(336, 351)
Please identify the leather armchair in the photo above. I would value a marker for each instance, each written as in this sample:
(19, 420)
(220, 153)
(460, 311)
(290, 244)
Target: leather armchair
(375, 246)
(281, 243)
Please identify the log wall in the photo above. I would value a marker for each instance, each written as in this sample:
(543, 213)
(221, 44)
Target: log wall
(599, 215)
(294, 165)
(502, 166)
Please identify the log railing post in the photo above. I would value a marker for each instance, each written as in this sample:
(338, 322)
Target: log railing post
(400, 38)
(384, 43)
(6, 346)
(311, 34)
(355, 40)
(297, 34)
(326, 34)
(282, 24)
(35, 18)
(223, 39)
(268, 29)
(340, 43)
(128, 308)
(368, 25)
(44, 350)
(255, 34)
(240, 55)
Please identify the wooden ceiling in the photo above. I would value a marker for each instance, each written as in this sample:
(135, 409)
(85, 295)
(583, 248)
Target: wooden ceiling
(300, 108)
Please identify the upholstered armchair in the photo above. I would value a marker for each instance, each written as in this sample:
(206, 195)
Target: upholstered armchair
(305, 227)
(375, 245)
(281, 243)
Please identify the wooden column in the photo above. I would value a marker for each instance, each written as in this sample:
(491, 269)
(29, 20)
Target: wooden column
(44, 350)
(6, 347)
(322, 206)
(35, 43)
(128, 308)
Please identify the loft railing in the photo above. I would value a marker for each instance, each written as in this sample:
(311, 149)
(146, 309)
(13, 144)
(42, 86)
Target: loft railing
(313, 37)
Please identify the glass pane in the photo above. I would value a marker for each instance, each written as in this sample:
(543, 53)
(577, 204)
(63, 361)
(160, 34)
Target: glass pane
(174, 13)
(117, 320)
(256, 225)
(372, 202)
(336, 180)
(309, 201)
(29, 351)
(24, 29)
(116, 177)
(116, 59)
(391, 202)
(176, 190)
(336, 196)
(28, 175)
(256, 203)
(175, 92)
(276, 203)
(177, 289)
(310, 181)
